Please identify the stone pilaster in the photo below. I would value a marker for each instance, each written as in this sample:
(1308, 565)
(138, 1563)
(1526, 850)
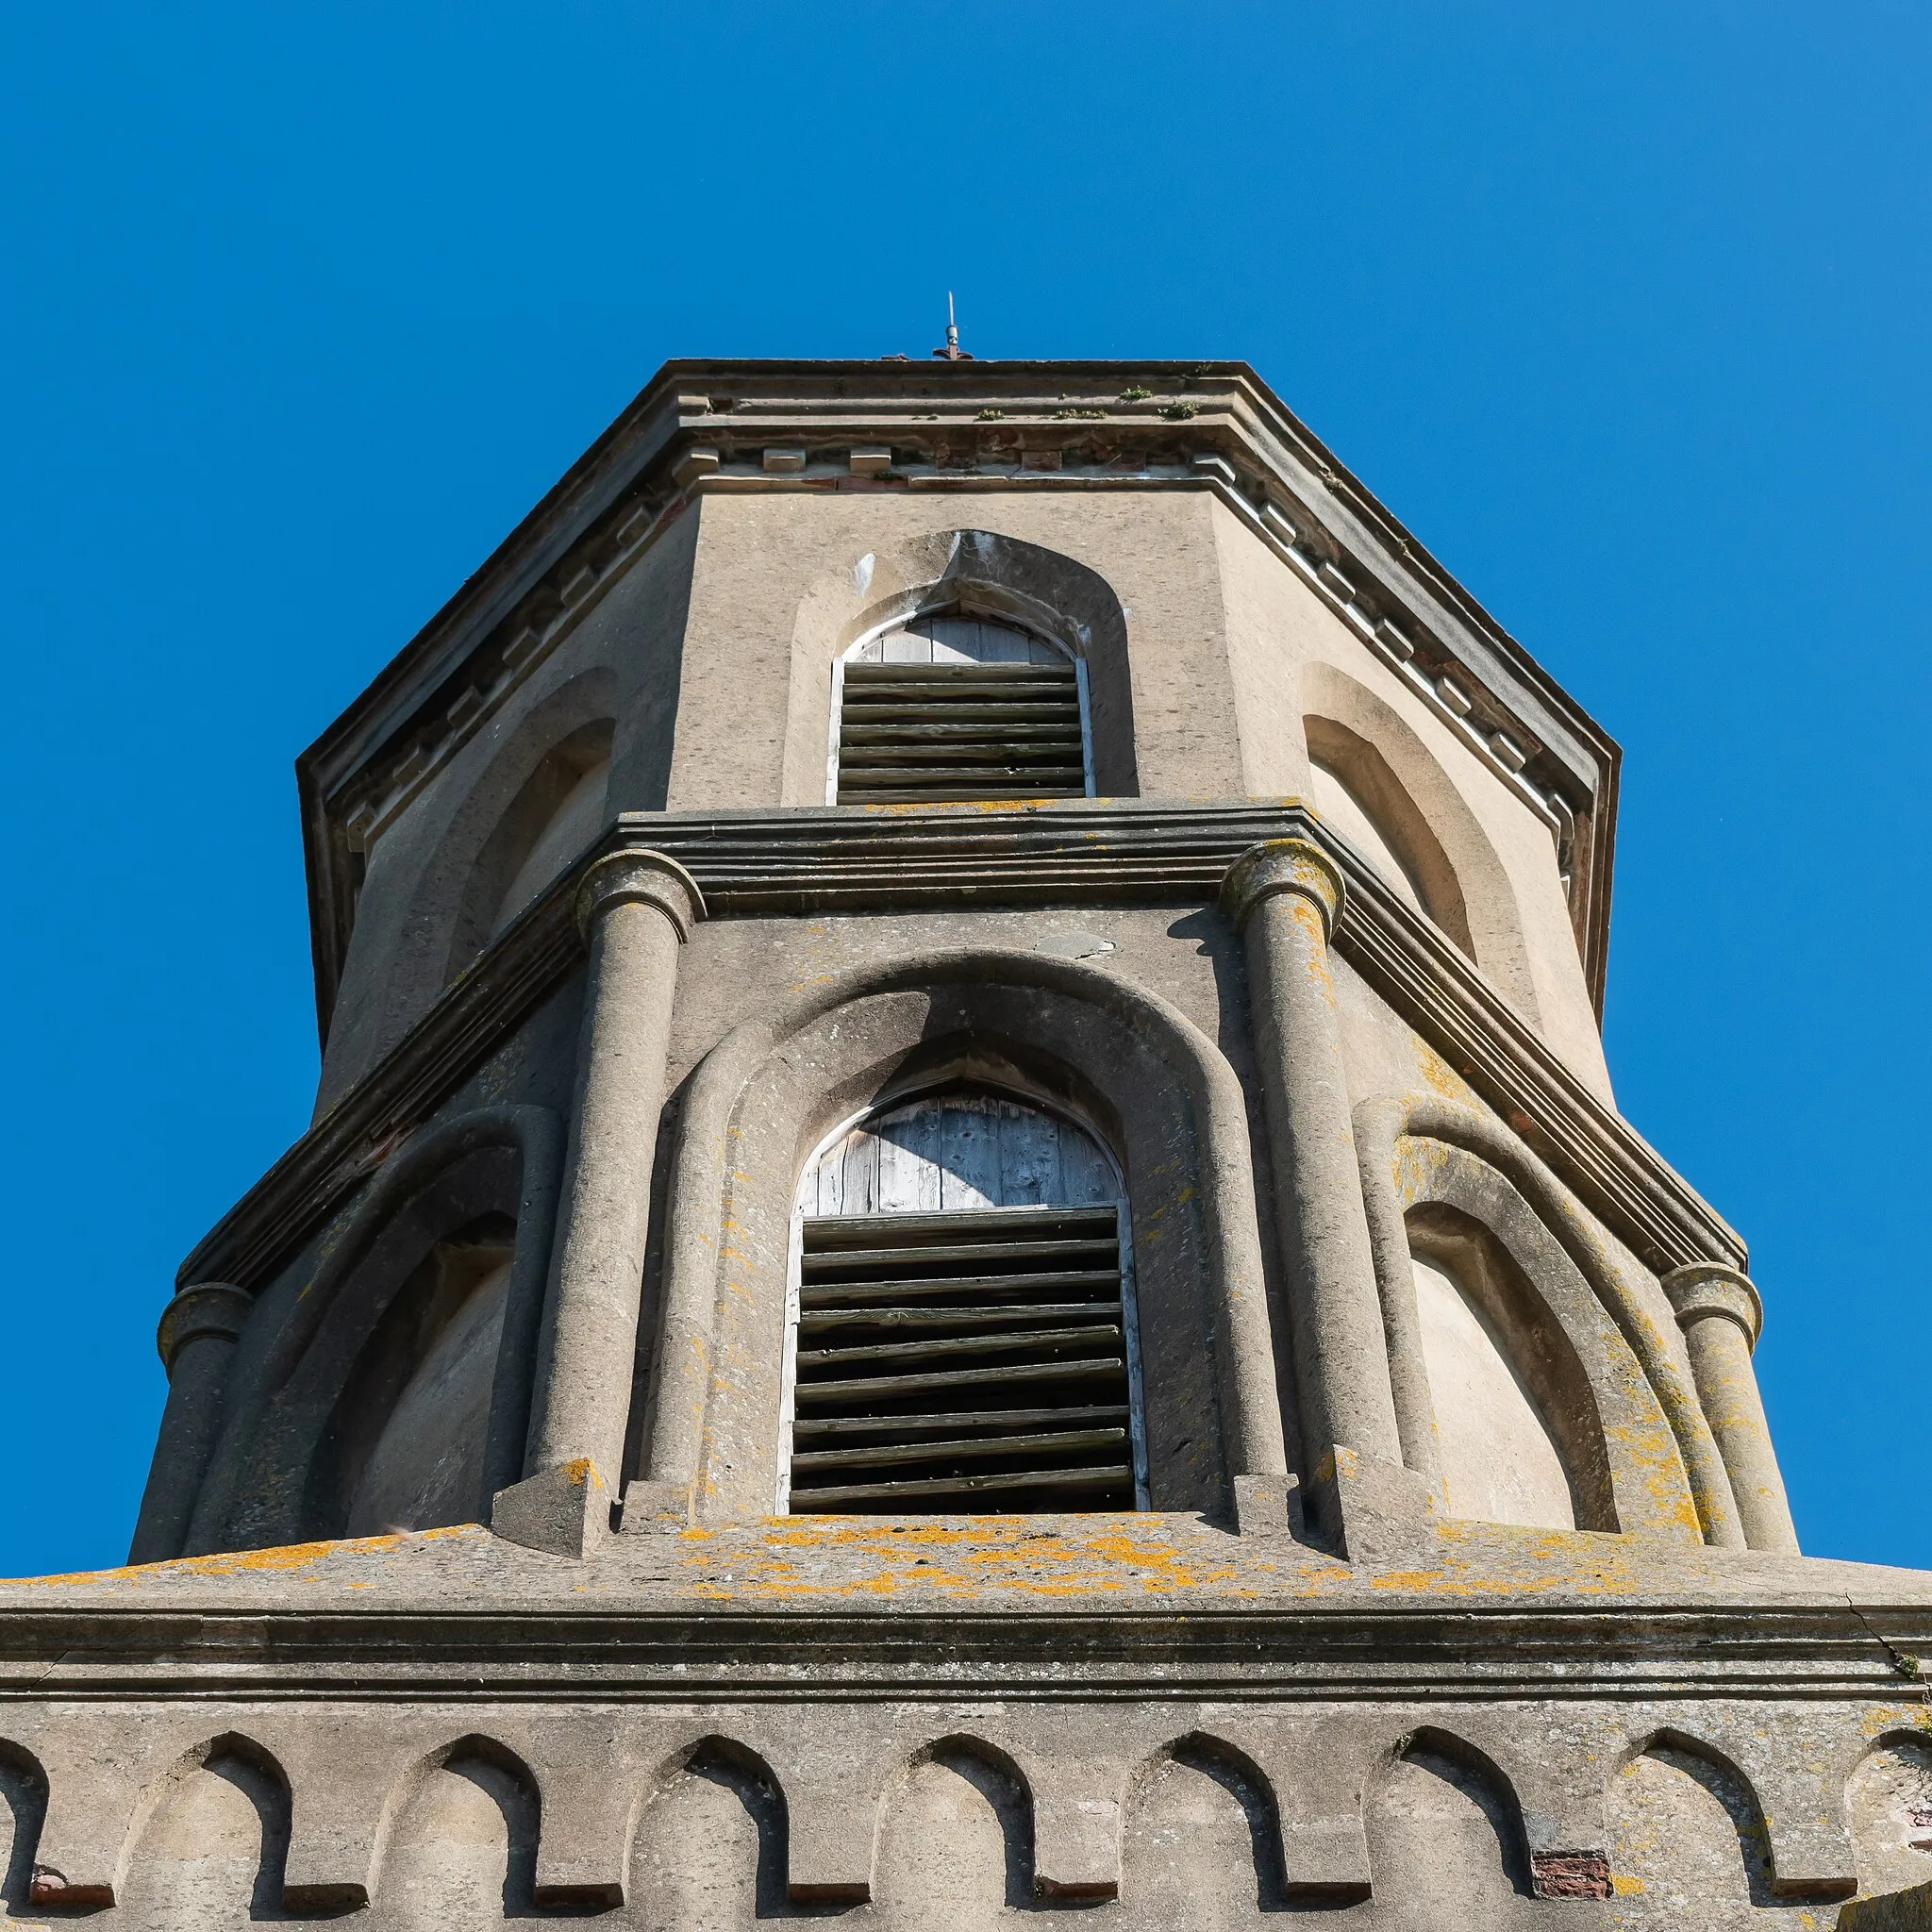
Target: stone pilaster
(636, 909)
(196, 1338)
(1284, 896)
(1720, 1316)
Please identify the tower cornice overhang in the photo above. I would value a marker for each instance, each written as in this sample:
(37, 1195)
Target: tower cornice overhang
(965, 427)
(893, 859)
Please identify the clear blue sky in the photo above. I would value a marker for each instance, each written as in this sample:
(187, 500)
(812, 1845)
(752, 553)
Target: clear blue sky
(1623, 309)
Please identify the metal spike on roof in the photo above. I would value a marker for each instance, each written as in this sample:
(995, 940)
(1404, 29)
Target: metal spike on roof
(952, 351)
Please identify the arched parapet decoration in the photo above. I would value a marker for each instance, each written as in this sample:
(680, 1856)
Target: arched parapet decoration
(976, 572)
(24, 1797)
(1136, 1069)
(720, 1760)
(1470, 1848)
(1887, 1783)
(1788, 1807)
(271, 1478)
(1615, 1347)
(1417, 807)
(263, 1783)
(1000, 1781)
(1247, 1786)
(1683, 1850)
(514, 1780)
(436, 882)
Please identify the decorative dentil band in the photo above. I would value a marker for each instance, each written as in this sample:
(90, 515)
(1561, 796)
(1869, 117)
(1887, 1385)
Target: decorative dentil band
(1283, 865)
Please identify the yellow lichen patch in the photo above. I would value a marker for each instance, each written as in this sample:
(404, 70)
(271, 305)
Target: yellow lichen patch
(966, 1556)
(280, 1559)
(1437, 1072)
(1893, 1717)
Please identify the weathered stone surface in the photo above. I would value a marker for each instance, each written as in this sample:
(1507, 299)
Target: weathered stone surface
(1310, 1046)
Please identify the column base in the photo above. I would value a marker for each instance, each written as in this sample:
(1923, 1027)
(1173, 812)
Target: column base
(1269, 1506)
(1374, 1514)
(563, 1511)
(655, 1509)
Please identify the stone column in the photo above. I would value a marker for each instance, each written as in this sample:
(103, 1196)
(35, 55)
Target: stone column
(1720, 1315)
(196, 1338)
(635, 909)
(1284, 896)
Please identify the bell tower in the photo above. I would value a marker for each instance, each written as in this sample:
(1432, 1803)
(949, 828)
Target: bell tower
(965, 1249)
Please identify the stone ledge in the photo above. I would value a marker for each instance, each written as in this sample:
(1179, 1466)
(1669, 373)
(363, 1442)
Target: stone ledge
(893, 859)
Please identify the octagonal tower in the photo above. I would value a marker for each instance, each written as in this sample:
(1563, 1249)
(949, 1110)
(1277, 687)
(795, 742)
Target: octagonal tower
(966, 1246)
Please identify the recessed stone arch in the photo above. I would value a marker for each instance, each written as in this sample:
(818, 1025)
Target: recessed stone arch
(1610, 1362)
(553, 818)
(210, 1839)
(723, 1795)
(976, 572)
(1152, 1086)
(436, 878)
(458, 1839)
(1446, 1837)
(1415, 804)
(1686, 1824)
(956, 1824)
(1201, 1821)
(284, 1471)
(22, 1812)
(1889, 1808)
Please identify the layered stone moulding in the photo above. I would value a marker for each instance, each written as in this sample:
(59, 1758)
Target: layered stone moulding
(966, 1255)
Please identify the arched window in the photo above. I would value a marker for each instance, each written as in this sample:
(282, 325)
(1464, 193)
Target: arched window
(960, 1331)
(956, 706)
(1501, 1462)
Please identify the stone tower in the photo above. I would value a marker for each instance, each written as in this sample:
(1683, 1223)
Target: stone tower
(965, 1254)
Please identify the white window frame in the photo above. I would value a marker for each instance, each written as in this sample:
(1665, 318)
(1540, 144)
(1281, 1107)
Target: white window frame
(946, 610)
(794, 1261)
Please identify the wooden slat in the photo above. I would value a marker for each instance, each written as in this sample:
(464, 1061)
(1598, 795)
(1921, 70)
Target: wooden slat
(920, 738)
(851, 1428)
(826, 1234)
(1103, 1479)
(858, 671)
(988, 711)
(876, 1388)
(967, 1448)
(937, 1348)
(822, 1264)
(863, 1294)
(826, 1321)
(930, 774)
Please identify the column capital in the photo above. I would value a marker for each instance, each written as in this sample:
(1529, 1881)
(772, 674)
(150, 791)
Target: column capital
(1709, 1288)
(210, 1307)
(640, 878)
(1283, 865)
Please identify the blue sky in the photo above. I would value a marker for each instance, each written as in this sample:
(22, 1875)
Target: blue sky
(1623, 310)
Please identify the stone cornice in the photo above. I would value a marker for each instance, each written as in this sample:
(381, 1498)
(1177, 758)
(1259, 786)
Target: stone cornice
(968, 426)
(891, 860)
(1255, 1650)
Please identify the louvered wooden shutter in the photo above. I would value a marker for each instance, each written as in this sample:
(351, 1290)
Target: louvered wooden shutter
(962, 1363)
(954, 708)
